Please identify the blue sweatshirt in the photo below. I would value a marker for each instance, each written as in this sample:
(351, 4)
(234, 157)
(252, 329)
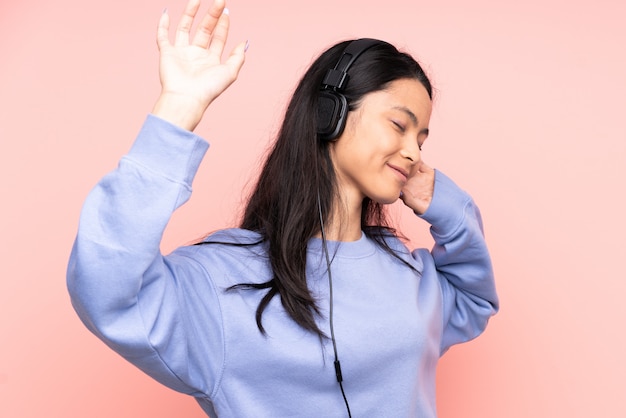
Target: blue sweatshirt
(172, 317)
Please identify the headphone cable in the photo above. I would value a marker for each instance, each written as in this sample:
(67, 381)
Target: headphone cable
(330, 288)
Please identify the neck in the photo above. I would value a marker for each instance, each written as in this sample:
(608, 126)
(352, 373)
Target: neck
(345, 222)
(342, 233)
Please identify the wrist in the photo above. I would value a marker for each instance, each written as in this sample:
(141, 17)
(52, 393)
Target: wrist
(179, 110)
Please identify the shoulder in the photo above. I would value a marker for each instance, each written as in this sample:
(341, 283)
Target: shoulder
(232, 241)
(396, 243)
(234, 237)
(227, 255)
(388, 241)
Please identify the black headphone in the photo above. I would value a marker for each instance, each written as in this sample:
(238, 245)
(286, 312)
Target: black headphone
(332, 110)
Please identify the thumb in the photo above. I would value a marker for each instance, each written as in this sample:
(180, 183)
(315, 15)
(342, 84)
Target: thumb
(163, 30)
(237, 57)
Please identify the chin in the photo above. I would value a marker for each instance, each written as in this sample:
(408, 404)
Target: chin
(385, 200)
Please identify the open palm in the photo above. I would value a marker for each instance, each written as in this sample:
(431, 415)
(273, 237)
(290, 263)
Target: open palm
(191, 70)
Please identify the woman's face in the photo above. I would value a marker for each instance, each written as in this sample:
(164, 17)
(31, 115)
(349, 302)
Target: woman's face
(381, 143)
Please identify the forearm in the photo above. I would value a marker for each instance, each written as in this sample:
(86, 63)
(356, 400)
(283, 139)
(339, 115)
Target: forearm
(462, 261)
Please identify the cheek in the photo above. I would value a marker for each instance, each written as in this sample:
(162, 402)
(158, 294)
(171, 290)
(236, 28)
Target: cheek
(382, 136)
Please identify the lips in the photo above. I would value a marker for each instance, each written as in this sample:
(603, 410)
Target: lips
(402, 174)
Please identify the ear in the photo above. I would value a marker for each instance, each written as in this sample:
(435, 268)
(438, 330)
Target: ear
(332, 112)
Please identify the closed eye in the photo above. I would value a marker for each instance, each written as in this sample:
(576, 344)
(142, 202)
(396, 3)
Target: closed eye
(399, 126)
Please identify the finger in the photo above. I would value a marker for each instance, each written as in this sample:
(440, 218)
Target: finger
(184, 25)
(210, 20)
(220, 35)
(163, 31)
(422, 168)
(235, 60)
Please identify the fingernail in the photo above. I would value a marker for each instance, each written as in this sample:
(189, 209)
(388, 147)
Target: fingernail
(245, 48)
(165, 11)
(226, 11)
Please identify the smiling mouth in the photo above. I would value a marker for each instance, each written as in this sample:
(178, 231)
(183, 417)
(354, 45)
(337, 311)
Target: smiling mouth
(403, 175)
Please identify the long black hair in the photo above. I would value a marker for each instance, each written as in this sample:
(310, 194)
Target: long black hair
(283, 207)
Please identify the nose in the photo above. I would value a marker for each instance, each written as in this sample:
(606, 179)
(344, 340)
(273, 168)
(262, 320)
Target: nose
(411, 151)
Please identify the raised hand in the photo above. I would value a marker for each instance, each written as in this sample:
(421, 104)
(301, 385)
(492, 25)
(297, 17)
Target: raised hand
(418, 191)
(191, 70)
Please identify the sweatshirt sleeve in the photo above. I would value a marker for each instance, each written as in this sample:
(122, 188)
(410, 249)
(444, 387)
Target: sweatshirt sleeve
(462, 263)
(120, 285)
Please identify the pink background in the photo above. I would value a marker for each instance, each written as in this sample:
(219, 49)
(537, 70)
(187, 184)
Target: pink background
(529, 117)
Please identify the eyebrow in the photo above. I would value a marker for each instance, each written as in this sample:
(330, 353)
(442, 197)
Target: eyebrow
(411, 116)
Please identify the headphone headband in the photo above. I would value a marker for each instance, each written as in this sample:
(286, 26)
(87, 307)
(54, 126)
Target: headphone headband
(337, 78)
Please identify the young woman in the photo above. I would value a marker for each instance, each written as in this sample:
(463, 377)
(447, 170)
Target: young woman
(312, 307)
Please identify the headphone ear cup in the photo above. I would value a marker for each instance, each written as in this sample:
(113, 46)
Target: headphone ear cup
(332, 111)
